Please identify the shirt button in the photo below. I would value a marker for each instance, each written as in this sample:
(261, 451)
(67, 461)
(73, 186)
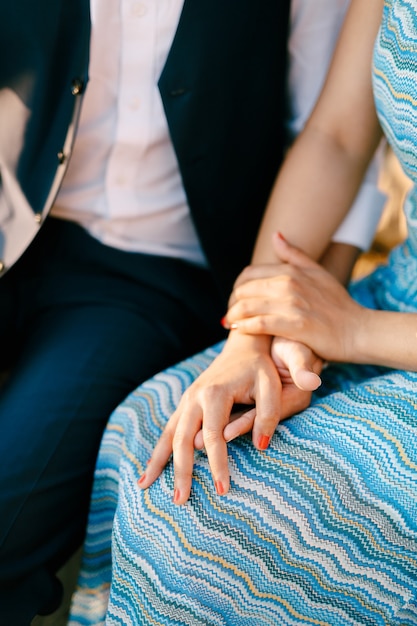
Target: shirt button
(139, 9)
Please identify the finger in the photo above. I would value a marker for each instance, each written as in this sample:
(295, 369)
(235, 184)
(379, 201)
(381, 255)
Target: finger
(199, 440)
(160, 455)
(303, 365)
(271, 325)
(268, 295)
(253, 272)
(306, 379)
(183, 452)
(235, 415)
(261, 298)
(268, 408)
(290, 254)
(216, 416)
(242, 424)
(294, 401)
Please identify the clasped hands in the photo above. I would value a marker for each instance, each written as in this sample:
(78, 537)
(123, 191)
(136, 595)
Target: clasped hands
(286, 319)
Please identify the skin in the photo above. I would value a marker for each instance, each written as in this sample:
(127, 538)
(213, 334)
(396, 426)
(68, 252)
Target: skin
(303, 302)
(274, 297)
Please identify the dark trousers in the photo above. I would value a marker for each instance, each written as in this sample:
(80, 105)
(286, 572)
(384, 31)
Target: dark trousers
(81, 324)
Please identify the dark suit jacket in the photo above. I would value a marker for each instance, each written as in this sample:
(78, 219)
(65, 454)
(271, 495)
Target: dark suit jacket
(223, 91)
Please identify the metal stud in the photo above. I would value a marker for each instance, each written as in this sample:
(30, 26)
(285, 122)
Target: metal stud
(76, 86)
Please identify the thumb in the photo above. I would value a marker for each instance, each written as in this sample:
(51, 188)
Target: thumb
(302, 364)
(290, 254)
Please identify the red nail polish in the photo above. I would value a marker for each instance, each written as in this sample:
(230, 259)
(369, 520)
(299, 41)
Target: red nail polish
(263, 442)
(281, 236)
(224, 323)
(219, 487)
(177, 495)
(142, 479)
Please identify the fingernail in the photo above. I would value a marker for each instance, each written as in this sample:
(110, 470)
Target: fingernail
(224, 323)
(233, 326)
(263, 442)
(219, 488)
(177, 495)
(142, 479)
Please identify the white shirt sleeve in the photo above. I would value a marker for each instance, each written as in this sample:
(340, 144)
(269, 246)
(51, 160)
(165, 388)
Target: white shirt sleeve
(314, 28)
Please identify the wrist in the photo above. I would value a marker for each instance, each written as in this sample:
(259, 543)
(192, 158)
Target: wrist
(357, 349)
(261, 343)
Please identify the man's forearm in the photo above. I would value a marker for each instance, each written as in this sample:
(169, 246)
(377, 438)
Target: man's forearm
(339, 259)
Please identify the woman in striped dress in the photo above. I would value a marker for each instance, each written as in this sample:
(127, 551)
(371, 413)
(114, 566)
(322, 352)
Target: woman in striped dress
(316, 523)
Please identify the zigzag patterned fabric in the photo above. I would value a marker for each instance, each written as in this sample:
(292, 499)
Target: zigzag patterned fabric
(319, 529)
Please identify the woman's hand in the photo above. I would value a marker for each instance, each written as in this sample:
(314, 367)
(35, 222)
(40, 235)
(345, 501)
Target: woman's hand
(300, 301)
(243, 374)
(298, 368)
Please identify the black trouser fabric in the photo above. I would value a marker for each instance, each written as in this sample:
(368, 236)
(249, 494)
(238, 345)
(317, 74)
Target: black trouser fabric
(81, 324)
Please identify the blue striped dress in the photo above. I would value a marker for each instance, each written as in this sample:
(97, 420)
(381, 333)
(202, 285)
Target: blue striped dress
(321, 528)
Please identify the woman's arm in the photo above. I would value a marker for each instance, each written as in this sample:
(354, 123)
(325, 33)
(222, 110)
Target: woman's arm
(313, 34)
(324, 168)
(303, 302)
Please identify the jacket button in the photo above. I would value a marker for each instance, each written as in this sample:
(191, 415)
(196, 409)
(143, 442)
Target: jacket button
(77, 86)
(38, 218)
(61, 157)
(1, 266)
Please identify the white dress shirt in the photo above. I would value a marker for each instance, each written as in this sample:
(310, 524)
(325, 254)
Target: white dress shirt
(123, 183)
